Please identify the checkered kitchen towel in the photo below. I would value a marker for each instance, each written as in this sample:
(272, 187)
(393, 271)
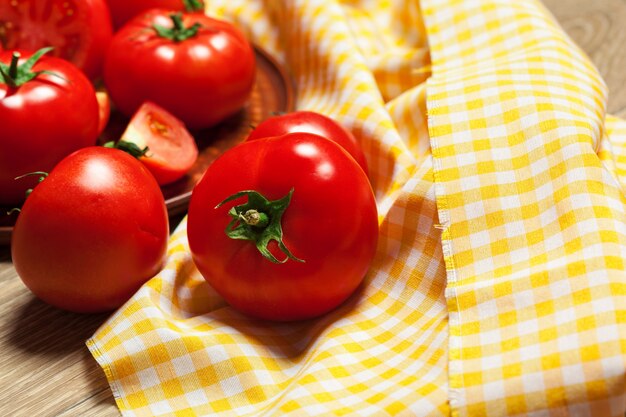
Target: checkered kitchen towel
(499, 285)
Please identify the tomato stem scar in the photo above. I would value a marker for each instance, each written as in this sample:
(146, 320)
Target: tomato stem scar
(254, 218)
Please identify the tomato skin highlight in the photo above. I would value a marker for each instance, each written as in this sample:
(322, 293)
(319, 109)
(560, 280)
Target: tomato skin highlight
(92, 232)
(79, 30)
(172, 150)
(43, 121)
(331, 223)
(311, 122)
(123, 10)
(200, 80)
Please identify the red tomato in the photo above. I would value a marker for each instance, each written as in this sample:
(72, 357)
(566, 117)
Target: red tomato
(172, 151)
(42, 121)
(330, 226)
(92, 232)
(123, 10)
(200, 79)
(311, 122)
(79, 30)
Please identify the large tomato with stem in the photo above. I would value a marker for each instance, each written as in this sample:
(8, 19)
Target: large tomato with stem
(79, 30)
(284, 228)
(198, 68)
(123, 10)
(92, 232)
(48, 109)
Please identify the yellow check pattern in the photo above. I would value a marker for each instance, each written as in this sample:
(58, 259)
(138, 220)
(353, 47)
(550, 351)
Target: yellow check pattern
(499, 282)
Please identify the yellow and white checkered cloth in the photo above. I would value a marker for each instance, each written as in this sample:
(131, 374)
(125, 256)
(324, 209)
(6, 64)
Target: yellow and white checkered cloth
(499, 285)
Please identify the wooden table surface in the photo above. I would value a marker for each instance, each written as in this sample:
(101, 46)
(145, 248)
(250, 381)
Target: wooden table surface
(45, 368)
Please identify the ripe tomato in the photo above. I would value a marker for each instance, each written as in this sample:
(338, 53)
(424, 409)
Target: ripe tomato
(199, 69)
(123, 10)
(171, 150)
(42, 120)
(329, 226)
(79, 30)
(311, 122)
(92, 232)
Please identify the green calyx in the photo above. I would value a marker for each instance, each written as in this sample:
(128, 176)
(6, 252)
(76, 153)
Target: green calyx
(128, 147)
(178, 32)
(15, 75)
(42, 176)
(193, 5)
(259, 220)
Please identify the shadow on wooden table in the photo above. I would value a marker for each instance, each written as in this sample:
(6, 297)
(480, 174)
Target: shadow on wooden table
(39, 328)
(44, 361)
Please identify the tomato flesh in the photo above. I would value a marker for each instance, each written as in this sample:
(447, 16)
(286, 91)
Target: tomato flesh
(104, 110)
(172, 150)
(79, 30)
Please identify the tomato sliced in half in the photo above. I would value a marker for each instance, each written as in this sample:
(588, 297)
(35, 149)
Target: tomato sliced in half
(172, 150)
(104, 110)
(79, 30)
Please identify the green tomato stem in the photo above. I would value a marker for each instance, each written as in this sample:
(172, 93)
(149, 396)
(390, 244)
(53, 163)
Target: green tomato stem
(177, 19)
(178, 32)
(15, 75)
(42, 176)
(15, 58)
(259, 220)
(193, 5)
(129, 147)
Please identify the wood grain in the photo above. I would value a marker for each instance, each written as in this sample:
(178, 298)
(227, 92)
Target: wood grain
(45, 368)
(598, 28)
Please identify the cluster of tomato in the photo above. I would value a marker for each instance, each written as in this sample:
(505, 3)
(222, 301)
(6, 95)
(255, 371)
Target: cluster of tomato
(96, 228)
(168, 68)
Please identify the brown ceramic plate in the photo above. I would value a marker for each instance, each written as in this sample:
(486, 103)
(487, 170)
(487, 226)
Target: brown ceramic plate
(273, 92)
